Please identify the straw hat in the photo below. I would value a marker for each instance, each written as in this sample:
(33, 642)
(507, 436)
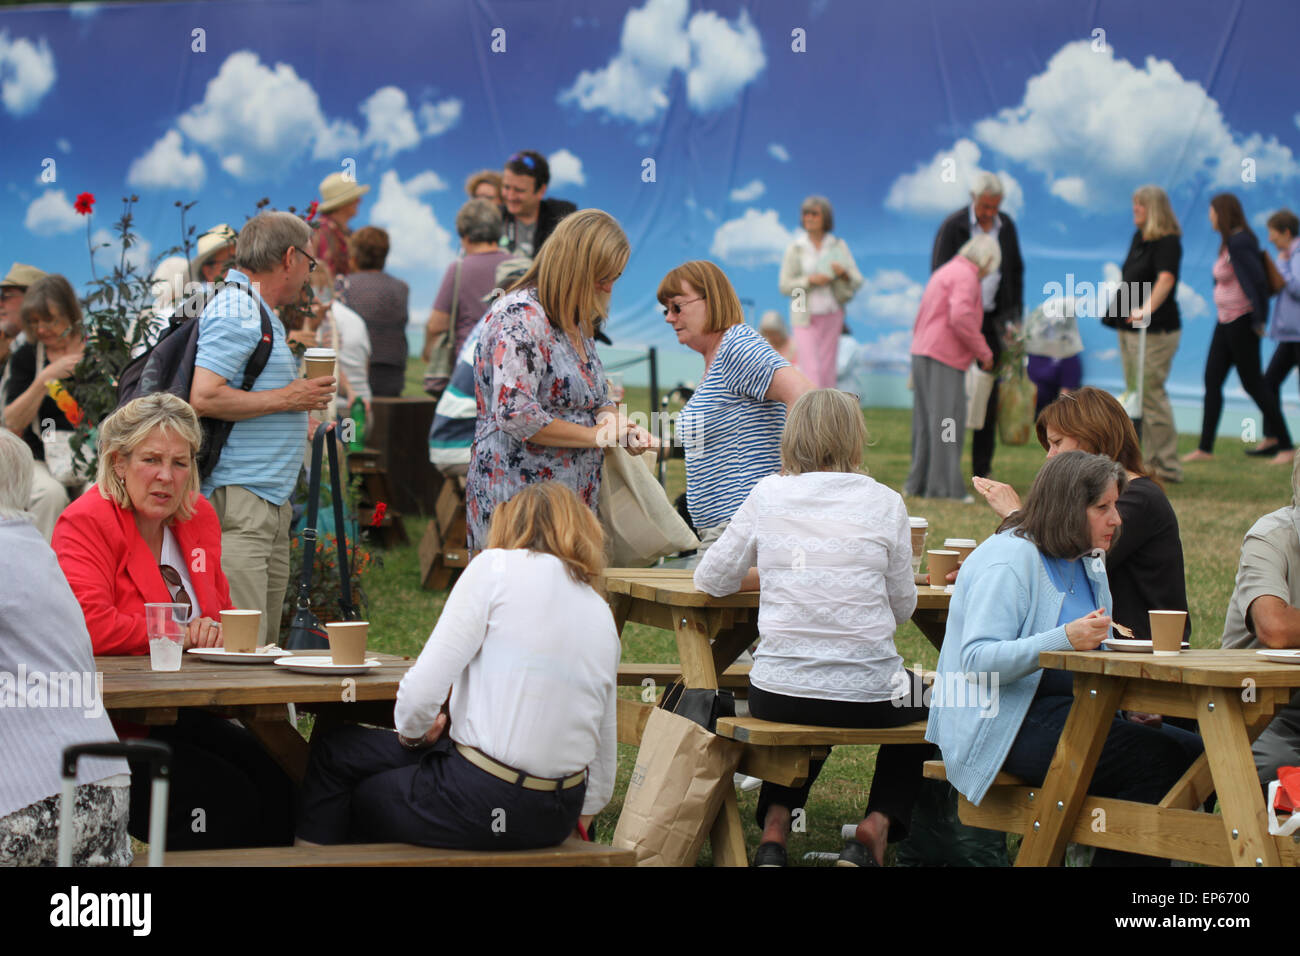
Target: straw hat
(22, 276)
(337, 190)
(210, 243)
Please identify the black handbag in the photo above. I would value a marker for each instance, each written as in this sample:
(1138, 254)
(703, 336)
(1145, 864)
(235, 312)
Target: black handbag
(702, 705)
(306, 633)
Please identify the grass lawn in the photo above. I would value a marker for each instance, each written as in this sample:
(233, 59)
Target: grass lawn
(1215, 505)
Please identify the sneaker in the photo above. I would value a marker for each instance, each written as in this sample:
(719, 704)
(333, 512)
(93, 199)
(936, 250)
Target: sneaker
(855, 854)
(747, 783)
(769, 855)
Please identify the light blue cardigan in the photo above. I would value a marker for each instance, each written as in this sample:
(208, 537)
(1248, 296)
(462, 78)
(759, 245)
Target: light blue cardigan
(1003, 614)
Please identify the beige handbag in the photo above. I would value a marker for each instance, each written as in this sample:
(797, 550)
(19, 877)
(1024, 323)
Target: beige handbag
(640, 523)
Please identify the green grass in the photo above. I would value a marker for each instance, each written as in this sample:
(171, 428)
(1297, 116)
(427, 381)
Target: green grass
(1215, 505)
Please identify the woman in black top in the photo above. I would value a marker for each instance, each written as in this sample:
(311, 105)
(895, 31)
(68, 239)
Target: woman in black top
(1145, 562)
(1241, 296)
(1146, 294)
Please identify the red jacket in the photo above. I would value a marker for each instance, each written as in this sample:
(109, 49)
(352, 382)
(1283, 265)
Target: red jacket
(113, 572)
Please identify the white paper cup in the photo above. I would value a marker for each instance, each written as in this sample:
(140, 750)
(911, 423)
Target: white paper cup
(320, 363)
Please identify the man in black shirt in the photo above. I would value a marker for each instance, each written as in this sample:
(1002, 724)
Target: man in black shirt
(12, 289)
(1003, 290)
(529, 217)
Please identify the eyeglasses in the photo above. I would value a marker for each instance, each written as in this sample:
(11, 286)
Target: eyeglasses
(172, 578)
(12, 292)
(311, 268)
(676, 307)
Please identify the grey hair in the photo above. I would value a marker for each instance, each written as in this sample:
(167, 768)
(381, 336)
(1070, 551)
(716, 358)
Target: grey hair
(16, 464)
(985, 184)
(983, 250)
(822, 204)
(1055, 513)
(479, 221)
(266, 238)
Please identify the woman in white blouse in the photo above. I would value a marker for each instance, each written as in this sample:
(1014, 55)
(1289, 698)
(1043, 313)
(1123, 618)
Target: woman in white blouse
(833, 549)
(506, 727)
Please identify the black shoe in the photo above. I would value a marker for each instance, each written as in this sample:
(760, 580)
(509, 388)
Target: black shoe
(855, 854)
(769, 855)
(1259, 451)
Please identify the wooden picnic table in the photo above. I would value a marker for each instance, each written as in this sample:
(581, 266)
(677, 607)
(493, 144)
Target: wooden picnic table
(711, 632)
(1232, 694)
(255, 694)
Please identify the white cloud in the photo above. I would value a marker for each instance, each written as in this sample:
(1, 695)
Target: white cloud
(84, 10)
(418, 240)
(425, 182)
(50, 213)
(566, 169)
(439, 117)
(748, 192)
(778, 152)
(390, 124)
(726, 58)
(63, 144)
(1106, 355)
(234, 165)
(166, 165)
(1103, 122)
(108, 251)
(26, 73)
(1191, 304)
(943, 184)
(336, 139)
(889, 295)
(755, 239)
(719, 59)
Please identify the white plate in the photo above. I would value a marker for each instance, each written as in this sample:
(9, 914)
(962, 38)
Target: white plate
(1133, 646)
(323, 665)
(1281, 657)
(219, 655)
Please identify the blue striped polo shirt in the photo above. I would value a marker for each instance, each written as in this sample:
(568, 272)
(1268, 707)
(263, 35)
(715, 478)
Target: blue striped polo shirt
(263, 454)
(731, 435)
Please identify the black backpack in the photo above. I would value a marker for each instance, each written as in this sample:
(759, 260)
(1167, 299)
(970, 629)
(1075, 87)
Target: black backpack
(168, 366)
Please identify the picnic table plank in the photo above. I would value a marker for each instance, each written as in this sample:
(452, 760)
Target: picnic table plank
(1203, 667)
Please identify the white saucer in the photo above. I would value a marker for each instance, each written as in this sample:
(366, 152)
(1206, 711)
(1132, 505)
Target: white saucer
(1281, 656)
(323, 665)
(219, 655)
(1133, 646)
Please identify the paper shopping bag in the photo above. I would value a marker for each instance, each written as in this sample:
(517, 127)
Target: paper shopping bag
(681, 776)
(641, 525)
(979, 386)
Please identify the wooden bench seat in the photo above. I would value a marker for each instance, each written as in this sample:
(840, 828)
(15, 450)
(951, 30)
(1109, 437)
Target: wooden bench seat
(935, 770)
(572, 852)
(766, 733)
(735, 677)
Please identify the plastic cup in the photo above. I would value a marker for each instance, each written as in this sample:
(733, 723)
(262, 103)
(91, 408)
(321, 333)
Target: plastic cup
(963, 546)
(165, 627)
(920, 528)
(941, 564)
(348, 641)
(320, 363)
(1167, 632)
(240, 630)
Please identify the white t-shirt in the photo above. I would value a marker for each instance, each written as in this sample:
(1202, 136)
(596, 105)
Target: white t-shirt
(834, 555)
(353, 348)
(171, 555)
(531, 659)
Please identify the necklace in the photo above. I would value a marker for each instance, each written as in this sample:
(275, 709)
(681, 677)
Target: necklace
(1074, 567)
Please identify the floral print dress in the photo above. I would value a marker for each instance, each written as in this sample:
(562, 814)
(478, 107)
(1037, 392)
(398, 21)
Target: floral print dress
(527, 374)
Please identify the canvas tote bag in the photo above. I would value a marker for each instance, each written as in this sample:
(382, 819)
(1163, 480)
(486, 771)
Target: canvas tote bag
(640, 523)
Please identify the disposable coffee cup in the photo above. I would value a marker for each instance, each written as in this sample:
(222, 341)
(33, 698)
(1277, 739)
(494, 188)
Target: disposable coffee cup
(348, 641)
(963, 546)
(920, 528)
(1167, 632)
(240, 630)
(941, 563)
(320, 363)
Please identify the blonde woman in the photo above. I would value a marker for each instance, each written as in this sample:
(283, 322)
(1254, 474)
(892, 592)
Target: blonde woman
(525, 657)
(544, 411)
(833, 549)
(1147, 294)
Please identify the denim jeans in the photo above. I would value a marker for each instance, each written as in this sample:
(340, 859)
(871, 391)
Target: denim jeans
(1137, 763)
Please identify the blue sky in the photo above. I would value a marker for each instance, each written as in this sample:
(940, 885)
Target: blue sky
(740, 127)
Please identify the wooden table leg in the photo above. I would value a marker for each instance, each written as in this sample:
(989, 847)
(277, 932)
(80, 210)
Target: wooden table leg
(1192, 789)
(729, 644)
(1095, 700)
(728, 836)
(1227, 747)
(283, 742)
(620, 605)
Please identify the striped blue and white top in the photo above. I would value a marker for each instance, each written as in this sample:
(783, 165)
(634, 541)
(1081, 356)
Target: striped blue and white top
(263, 454)
(732, 436)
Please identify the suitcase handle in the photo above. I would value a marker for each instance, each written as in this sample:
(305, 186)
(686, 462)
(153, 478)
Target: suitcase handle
(159, 756)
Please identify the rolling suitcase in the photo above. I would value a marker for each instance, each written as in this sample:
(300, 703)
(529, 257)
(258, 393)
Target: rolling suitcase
(159, 756)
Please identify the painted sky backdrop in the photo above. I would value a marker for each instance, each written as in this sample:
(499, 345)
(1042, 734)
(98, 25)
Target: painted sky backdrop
(744, 108)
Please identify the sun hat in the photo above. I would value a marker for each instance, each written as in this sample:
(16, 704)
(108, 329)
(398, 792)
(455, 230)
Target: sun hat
(337, 190)
(210, 243)
(22, 276)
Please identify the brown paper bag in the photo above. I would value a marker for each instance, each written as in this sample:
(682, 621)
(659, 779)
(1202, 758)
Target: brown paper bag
(641, 525)
(681, 776)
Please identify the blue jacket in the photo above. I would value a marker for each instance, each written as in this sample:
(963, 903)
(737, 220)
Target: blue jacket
(1286, 314)
(1003, 614)
(1244, 254)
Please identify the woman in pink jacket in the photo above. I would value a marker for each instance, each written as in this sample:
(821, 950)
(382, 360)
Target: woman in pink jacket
(945, 341)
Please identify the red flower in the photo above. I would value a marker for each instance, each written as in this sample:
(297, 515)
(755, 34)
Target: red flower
(311, 210)
(379, 514)
(84, 203)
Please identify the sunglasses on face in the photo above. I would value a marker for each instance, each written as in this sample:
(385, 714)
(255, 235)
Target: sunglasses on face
(676, 307)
